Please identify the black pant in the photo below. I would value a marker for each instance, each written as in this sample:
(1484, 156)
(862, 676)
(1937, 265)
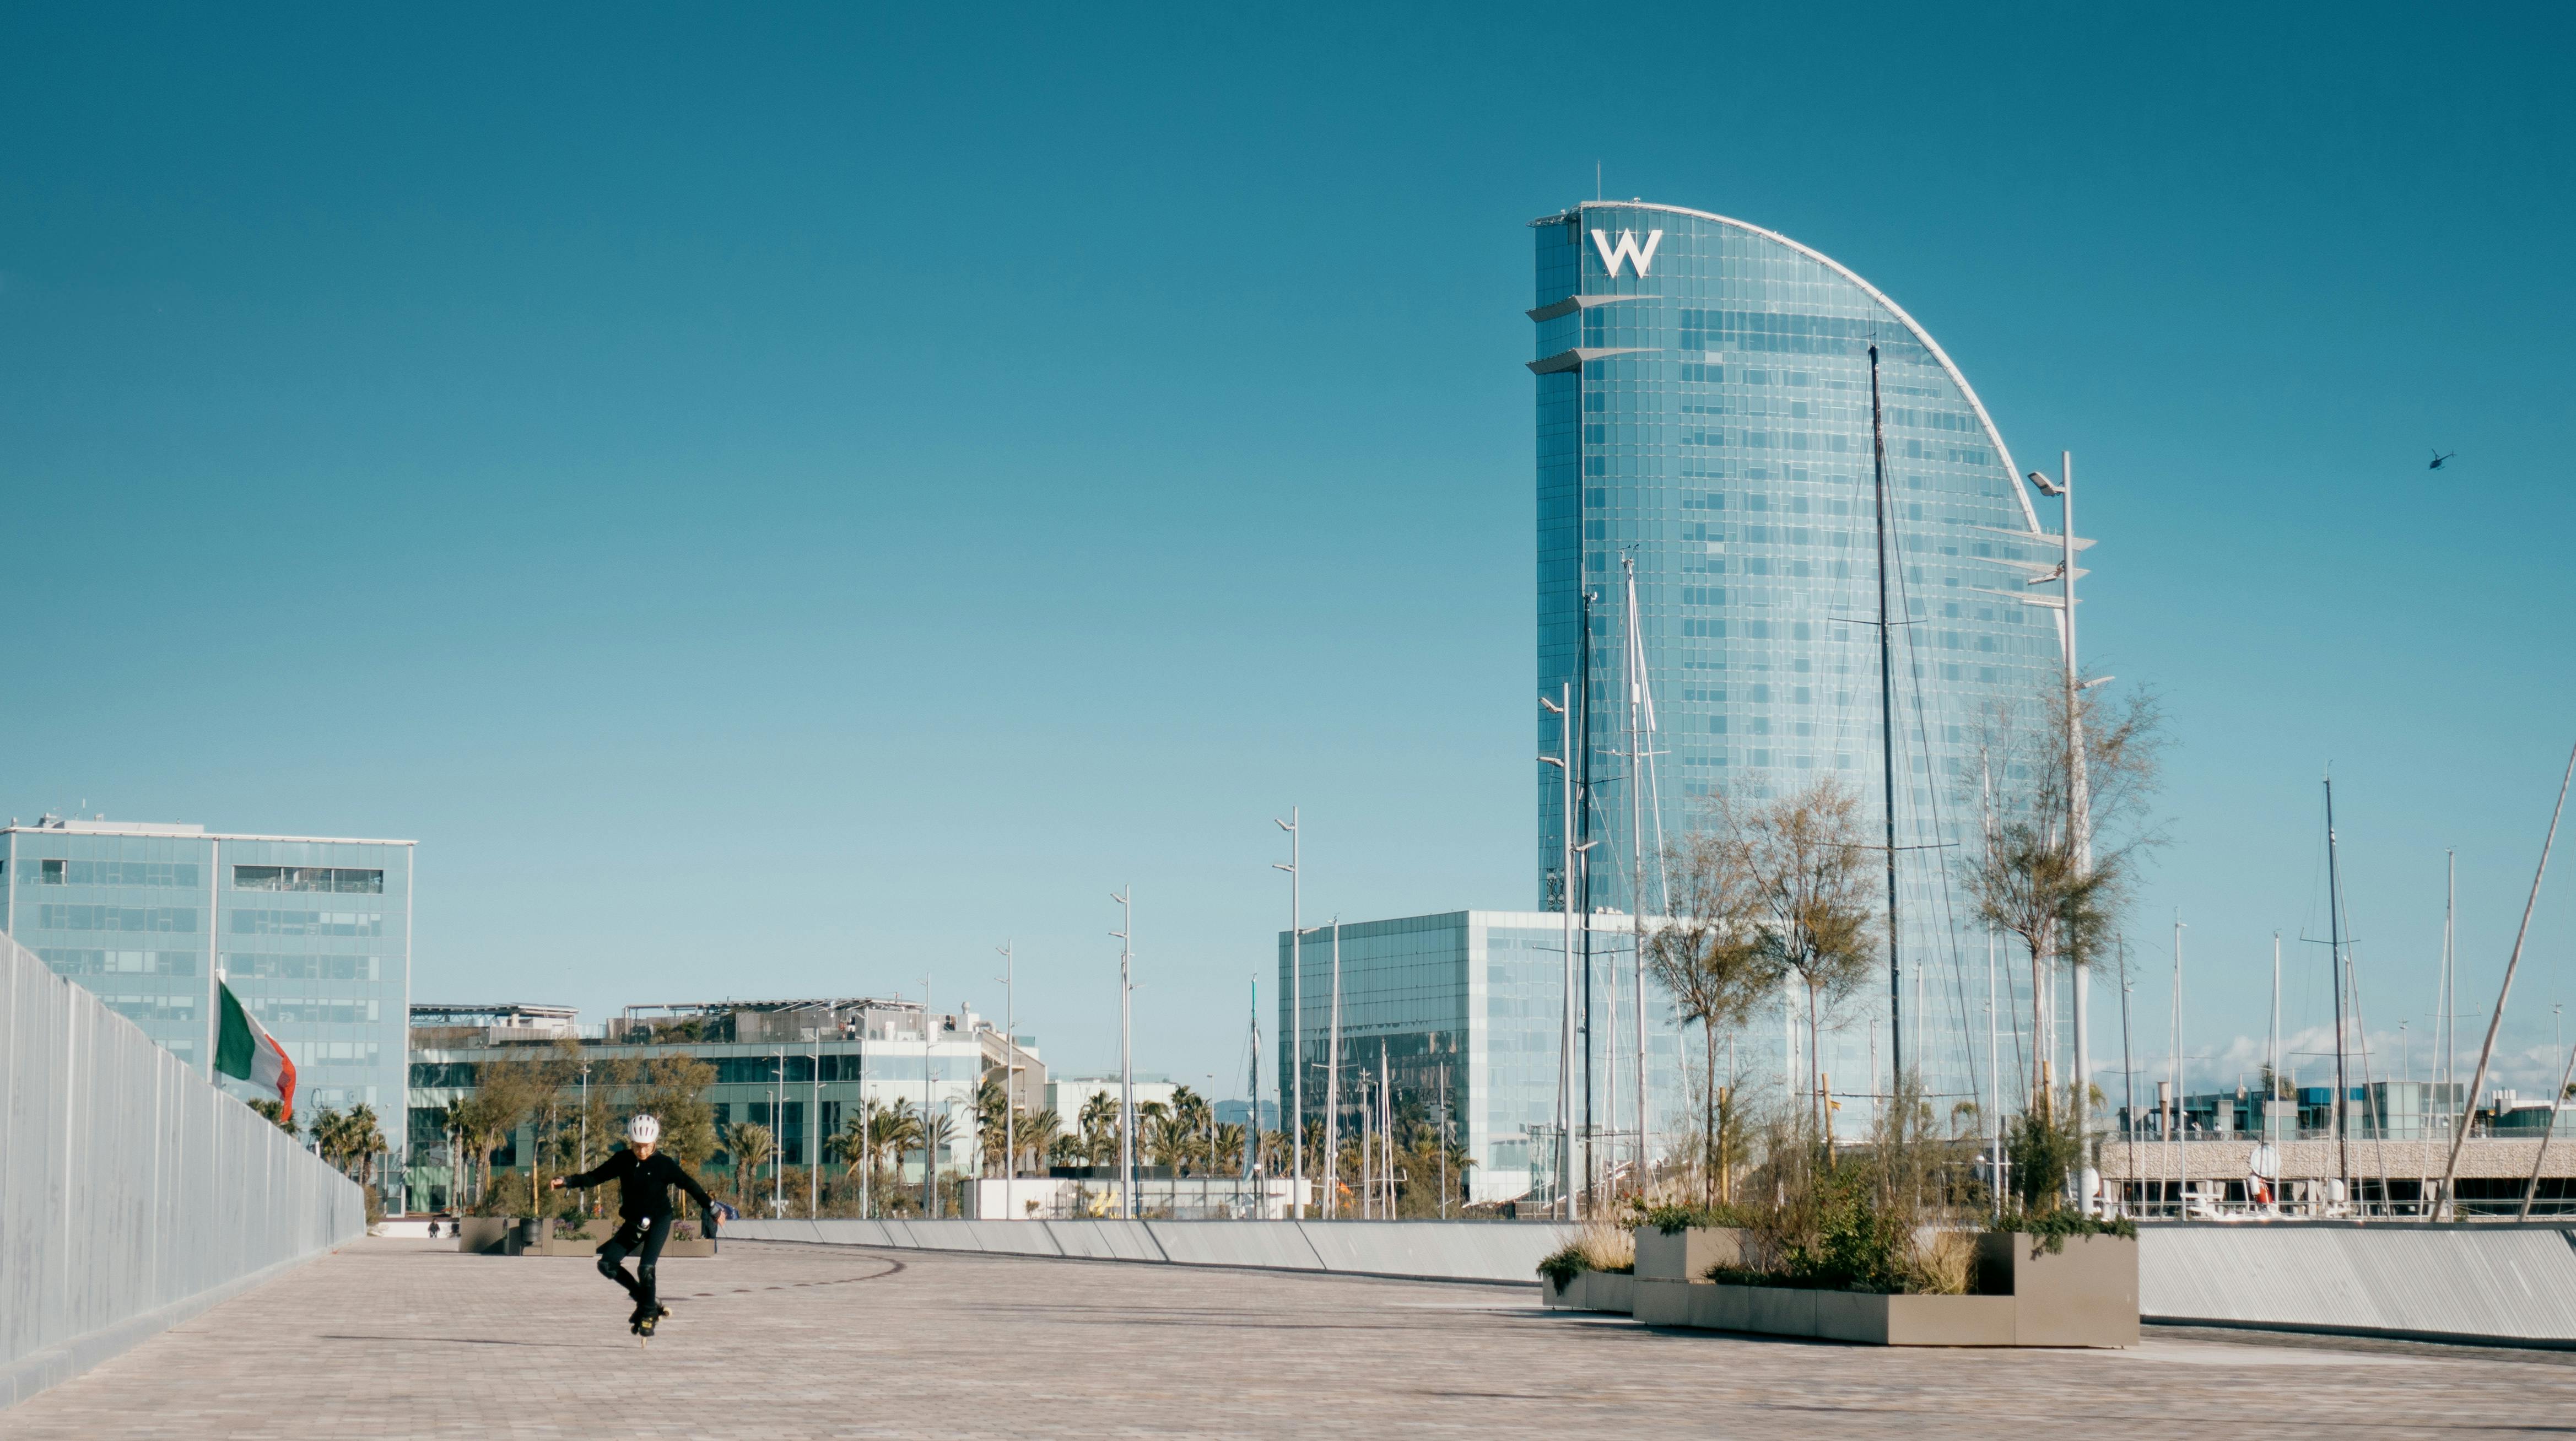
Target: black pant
(643, 1234)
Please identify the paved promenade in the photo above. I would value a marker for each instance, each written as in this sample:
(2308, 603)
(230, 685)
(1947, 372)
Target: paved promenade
(408, 1338)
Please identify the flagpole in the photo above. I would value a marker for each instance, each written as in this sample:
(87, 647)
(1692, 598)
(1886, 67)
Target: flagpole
(214, 966)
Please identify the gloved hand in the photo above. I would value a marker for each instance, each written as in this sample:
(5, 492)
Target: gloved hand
(707, 1221)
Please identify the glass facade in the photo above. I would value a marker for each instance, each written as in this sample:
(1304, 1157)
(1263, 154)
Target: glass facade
(313, 935)
(802, 1091)
(1704, 412)
(1463, 1011)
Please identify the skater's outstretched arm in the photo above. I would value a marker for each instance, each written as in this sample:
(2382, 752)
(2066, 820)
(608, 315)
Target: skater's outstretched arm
(689, 1183)
(612, 1169)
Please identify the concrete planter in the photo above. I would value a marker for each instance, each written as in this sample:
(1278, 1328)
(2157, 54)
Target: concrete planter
(1613, 1292)
(1687, 1255)
(2083, 1294)
(487, 1235)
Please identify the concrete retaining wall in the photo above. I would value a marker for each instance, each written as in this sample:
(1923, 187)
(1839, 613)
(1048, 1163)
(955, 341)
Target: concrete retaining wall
(1506, 1251)
(2497, 1283)
(133, 1194)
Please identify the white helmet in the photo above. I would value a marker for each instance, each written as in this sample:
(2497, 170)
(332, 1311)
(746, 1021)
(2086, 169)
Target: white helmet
(643, 1130)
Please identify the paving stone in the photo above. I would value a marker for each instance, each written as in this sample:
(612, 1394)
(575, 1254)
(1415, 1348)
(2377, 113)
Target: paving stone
(391, 1338)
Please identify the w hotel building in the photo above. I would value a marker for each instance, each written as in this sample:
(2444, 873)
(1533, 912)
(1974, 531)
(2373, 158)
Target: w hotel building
(313, 934)
(1703, 410)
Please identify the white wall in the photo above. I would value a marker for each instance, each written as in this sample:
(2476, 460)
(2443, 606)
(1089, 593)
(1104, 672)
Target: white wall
(133, 1195)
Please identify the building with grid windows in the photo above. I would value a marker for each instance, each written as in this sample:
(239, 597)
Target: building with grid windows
(1459, 1013)
(314, 935)
(1704, 414)
(801, 1069)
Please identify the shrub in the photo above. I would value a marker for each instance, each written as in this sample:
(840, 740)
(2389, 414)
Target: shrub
(1672, 1220)
(1602, 1245)
(2048, 1230)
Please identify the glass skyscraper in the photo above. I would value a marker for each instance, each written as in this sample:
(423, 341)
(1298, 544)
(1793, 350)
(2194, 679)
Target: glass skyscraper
(1704, 414)
(313, 934)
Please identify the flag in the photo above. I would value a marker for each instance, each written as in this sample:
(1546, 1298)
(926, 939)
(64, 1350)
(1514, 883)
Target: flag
(247, 1052)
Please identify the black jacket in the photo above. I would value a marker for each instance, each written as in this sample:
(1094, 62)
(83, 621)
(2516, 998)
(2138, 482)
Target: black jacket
(644, 1187)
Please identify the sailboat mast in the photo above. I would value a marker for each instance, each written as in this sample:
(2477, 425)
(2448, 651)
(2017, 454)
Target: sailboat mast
(2334, 933)
(2450, 1000)
(1886, 718)
(1583, 826)
(1636, 668)
(1252, 1123)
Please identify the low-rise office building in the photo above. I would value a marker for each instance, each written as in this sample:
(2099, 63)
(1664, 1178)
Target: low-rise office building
(313, 933)
(1462, 1014)
(800, 1068)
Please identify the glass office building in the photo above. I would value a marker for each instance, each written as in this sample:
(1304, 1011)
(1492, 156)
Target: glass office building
(313, 934)
(1704, 413)
(800, 1069)
(1460, 1013)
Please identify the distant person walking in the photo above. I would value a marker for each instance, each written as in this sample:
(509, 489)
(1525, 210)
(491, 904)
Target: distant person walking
(644, 1181)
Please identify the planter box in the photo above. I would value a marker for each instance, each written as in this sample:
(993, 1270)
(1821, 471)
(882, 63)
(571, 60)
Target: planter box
(1857, 1316)
(1687, 1255)
(1663, 1302)
(2085, 1294)
(1613, 1292)
(487, 1235)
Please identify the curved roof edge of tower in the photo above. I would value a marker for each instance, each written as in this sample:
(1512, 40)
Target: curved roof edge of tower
(1957, 377)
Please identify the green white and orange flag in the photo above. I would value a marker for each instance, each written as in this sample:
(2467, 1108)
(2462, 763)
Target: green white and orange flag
(246, 1051)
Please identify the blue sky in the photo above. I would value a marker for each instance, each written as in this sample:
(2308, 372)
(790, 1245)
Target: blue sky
(780, 503)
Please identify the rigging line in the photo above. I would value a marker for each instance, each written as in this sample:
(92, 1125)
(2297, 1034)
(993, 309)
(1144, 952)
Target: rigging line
(1942, 896)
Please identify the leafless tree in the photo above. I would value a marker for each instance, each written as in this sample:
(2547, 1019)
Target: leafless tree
(1709, 958)
(1803, 864)
(2053, 881)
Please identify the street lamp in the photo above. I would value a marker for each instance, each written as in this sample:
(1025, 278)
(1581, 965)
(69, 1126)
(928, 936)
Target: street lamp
(2078, 800)
(1296, 1021)
(1010, 1077)
(1126, 1053)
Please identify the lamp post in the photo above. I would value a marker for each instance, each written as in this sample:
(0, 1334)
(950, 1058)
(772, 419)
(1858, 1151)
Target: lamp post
(2079, 828)
(1126, 1053)
(814, 1125)
(1563, 709)
(1296, 1053)
(1333, 1086)
(1010, 1077)
(929, 1140)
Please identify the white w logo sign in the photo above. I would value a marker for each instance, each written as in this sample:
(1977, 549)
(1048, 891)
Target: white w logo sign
(1613, 256)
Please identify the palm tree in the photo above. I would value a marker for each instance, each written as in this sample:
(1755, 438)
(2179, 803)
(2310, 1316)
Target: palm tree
(1190, 1113)
(1039, 1132)
(992, 1119)
(1160, 1134)
(750, 1146)
(364, 1140)
(849, 1145)
(935, 1135)
(892, 1130)
(1099, 1124)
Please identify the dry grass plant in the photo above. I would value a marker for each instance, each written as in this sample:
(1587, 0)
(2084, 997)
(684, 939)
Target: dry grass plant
(1606, 1245)
(1892, 1213)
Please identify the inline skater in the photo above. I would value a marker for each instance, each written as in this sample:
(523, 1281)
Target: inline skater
(644, 1181)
